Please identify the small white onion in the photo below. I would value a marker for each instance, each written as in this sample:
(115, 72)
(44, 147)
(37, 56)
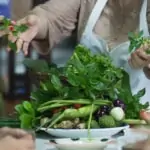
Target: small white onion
(117, 113)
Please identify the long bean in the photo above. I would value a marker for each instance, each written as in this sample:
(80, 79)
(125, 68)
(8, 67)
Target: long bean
(79, 101)
(57, 105)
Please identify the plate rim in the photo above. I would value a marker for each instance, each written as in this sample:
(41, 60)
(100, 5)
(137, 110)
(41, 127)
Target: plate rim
(115, 128)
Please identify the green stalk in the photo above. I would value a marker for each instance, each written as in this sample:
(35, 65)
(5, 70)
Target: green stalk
(57, 105)
(134, 121)
(79, 101)
(89, 122)
(55, 121)
(67, 103)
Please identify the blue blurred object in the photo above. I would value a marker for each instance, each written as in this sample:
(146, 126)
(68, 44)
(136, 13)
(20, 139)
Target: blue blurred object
(5, 8)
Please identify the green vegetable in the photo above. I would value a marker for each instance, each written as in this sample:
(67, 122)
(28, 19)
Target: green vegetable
(134, 121)
(107, 122)
(137, 40)
(132, 102)
(26, 114)
(89, 80)
(7, 25)
(36, 65)
(94, 124)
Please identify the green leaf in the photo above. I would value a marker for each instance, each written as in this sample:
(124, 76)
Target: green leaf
(22, 28)
(141, 93)
(28, 107)
(2, 27)
(36, 65)
(56, 82)
(26, 121)
(19, 109)
(12, 45)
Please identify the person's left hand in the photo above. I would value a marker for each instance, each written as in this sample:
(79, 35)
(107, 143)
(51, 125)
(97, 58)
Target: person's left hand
(139, 59)
(15, 133)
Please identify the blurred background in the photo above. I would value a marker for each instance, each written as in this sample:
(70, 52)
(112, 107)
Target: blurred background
(15, 83)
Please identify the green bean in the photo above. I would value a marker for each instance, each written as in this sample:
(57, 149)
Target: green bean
(57, 105)
(78, 101)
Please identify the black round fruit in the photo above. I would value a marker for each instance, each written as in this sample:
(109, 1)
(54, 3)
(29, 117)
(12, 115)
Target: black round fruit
(119, 103)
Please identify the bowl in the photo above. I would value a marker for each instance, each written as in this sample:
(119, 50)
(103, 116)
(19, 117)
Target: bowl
(83, 133)
(80, 144)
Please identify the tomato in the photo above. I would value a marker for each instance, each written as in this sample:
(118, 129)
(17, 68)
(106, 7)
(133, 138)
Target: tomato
(64, 107)
(56, 110)
(77, 106)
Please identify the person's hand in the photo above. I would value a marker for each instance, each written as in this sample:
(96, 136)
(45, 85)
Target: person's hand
(139, 58)
(11, 143)
(16, 133)
(18, 139)
(140, 145)
(24, 39)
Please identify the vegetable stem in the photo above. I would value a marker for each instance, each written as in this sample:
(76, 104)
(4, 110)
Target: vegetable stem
(55, 121)
(89, 122)
(134, 121)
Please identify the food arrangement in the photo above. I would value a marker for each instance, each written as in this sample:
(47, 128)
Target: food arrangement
(87, 93)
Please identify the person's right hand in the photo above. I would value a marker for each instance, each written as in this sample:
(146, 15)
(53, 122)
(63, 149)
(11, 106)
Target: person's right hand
(24, 39)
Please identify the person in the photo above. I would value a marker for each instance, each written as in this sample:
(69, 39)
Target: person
(100, 25)
(15, 139)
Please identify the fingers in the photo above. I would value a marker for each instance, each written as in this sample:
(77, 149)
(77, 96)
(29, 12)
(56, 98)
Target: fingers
(139, 59)
(16, 133)
(25, 48)
(19, 44)
(9, 142)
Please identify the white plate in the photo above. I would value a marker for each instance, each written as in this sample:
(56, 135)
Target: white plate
(81, 144)
(83, 133)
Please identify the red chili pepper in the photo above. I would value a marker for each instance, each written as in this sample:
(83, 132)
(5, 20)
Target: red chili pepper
(11, 28)
(64, 107)
(56, 110)
(77, 106)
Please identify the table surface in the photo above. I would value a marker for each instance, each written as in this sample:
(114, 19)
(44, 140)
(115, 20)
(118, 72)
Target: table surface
(130, 137)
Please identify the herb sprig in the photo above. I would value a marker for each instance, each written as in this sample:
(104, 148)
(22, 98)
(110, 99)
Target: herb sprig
(137, 40)
(9, 26)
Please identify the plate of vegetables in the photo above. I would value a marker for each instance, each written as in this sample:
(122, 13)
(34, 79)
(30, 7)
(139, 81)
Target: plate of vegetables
(88, 96)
